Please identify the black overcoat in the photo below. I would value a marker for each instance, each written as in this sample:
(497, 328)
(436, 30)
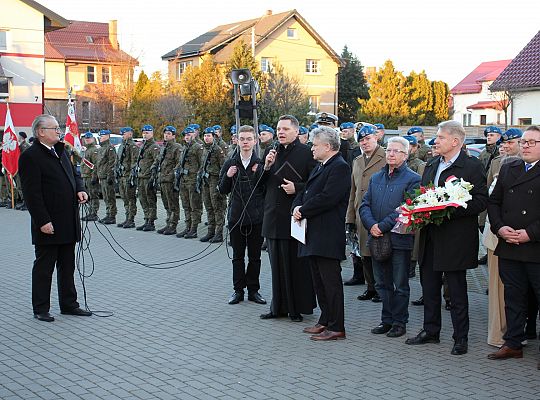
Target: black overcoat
(50, 185)
(456, 240)
(324, 203)
(515, 202)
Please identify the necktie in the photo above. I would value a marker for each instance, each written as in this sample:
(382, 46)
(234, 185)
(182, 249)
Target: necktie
(53, 152)
(528, 167)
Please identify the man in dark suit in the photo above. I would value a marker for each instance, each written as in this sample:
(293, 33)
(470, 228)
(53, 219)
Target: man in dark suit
(286, 170)
(515, 218)
(52, 188)
(451, 247)
(323, 202)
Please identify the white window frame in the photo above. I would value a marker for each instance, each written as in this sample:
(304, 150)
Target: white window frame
(294, 32)
(181, 68)
(313, 66)
(108, 69)
(3, 40)
(314, 108)
(4, 95)
(267, 64)
(88, 74)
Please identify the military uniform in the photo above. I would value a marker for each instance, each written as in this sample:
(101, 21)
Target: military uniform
(127, 159)
(148, 154)
(354, 151)
(165, 164)
(4, 197)
(106, 164)
(90, 179)
(188, 167)
(222, 144)
(424, 151)
(488, 154)
(215, 203)
(414, 163)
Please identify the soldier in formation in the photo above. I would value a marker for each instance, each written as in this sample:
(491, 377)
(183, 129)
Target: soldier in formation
(90, 176)
(127, 158)
(106, 166)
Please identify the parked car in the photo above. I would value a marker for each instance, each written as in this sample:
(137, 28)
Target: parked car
(475, 149)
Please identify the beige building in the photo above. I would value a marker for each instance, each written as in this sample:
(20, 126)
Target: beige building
(285, 38)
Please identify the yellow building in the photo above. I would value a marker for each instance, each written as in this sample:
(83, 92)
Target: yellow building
(284, 38)
(85, 57)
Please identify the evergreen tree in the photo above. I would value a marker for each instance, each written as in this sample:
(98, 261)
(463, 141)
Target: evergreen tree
(441, 94)
(352, 86)
(420, 98)
(145, 93)
(241, 58)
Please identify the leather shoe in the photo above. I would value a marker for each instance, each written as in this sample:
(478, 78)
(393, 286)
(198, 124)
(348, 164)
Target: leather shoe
(447, 305)
(314, 330)
(256, 297)
(271, 315)
(45, 316)
(419, 302)
(505, 352)
(296, 318)
(376, 298)
(354, 281)
(236, 298)
(396, 331)
(460, 347)
(381, 328)
(422, 338)
(367, 295)
(77, 311)
(328, 335)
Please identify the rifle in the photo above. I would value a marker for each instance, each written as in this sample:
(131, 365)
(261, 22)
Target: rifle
(135, 170)
(120, 168)
(202, 175)
(181, 171)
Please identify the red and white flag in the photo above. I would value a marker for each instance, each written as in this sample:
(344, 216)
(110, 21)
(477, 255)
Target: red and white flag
(10, 147)
(72, 130)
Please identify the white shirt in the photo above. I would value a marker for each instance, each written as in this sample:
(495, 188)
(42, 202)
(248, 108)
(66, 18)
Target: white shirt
(444, 165)
(245, 161)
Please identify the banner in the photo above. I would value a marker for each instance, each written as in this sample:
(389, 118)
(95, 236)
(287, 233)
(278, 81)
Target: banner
(10, 147)
(72, 130)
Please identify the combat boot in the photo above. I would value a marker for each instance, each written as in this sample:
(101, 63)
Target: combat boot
(184, 232)
(105, 219)
(90, 217)
(109, 220)
(121, 224)
(149, 226)
(141, 227)
(209, 235)
(161, 230)
(218, 237)
(192, 234)
(129, 224)
(171, 230)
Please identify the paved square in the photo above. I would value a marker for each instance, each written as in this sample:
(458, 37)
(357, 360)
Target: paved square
(173, 335)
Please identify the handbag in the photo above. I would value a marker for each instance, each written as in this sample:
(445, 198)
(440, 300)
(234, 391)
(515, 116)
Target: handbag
(380, 247)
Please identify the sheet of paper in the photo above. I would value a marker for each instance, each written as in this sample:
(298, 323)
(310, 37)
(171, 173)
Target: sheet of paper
(298, 230)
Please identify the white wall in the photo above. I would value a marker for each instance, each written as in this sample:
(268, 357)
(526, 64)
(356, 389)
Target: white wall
(527, 105)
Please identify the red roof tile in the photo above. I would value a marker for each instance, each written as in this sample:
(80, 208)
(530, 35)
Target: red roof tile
(483, 105)
(485, 72)
(86, 41)
(524, 70)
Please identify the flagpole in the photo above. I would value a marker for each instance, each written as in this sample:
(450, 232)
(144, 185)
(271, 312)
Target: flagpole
(12, 192)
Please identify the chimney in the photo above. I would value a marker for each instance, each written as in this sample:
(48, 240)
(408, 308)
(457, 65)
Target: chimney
(113, 34)
(268, 12)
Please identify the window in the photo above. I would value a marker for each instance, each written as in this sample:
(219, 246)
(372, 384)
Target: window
(3, 40)
(266, 64)
(4, 87)
(483, 119)
(466, 119)
(91, 74)
(291, 33)
(181, 68)
(105, 74)
(312, 66)
(525, 121)
(89, 39)
(314, 104)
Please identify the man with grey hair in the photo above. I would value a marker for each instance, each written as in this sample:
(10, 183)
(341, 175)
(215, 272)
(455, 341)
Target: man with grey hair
(451, 247)
(323, 202)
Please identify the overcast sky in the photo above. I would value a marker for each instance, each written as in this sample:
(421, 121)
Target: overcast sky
(446, 39)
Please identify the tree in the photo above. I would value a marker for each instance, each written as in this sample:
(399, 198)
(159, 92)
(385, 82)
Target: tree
(504, 97)
(387, 101)
(352, 86)
(146, 92)
(441, 95)
(242, 57)
(282, 94)
(420, 99)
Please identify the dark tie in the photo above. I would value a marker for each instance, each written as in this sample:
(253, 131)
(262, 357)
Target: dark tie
(53, 152)
(528, 167)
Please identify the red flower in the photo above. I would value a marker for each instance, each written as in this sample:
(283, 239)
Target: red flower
(408, 202)
(423, 189)
(426, 215)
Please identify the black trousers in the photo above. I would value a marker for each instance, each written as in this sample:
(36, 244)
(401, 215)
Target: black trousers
(63, 256)
(368, 273)
(250, 237)
(457, 290)
(328, 287)
(516, 277)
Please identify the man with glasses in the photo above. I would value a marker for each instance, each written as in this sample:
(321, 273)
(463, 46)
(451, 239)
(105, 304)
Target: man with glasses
(515, 218)
(53, 189)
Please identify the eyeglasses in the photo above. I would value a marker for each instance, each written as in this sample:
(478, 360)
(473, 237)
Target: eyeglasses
(392, 151)
(56, 129)
(530, 142)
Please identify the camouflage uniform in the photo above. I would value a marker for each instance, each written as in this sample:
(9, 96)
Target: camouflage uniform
(488, 154)
(127, 158)
(148, 154)
(414, 163)
(424, 152)
(165, 164)
(215, 203)
(106, 164)
(221, 143)
(188, 167)
(91, 182)
(4, 198)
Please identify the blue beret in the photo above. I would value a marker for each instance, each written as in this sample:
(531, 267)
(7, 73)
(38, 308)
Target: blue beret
(188, 129)
(217, 127)
(379, 126)
(432, 142)
(210, 129)
(88, 135)
(346, 125)
(365, 130)
(126, 129)
(492, 129)
(104, 132)
(411, 139)
(233, 129)
(147, 128)
(303, 130)
(313, 126)
(196, 126)
(170, 128)
(267, 129)
(414, 129)
(512, 133)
